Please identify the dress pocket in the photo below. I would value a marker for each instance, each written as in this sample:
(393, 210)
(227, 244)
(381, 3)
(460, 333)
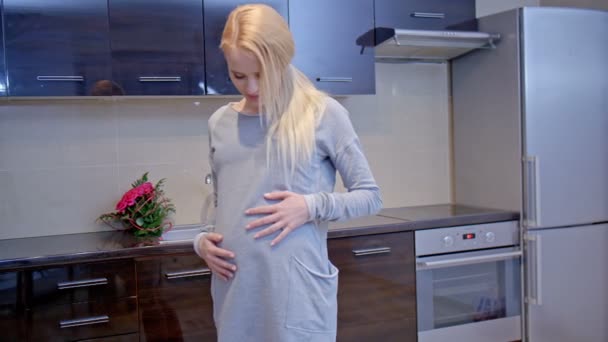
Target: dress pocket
(312, 299)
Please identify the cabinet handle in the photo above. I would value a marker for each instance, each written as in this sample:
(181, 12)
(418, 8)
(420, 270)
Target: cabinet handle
(428, 15)
(60, 78)
(531, 192)
(160, 79)
(69, 323)
(81, 283)
(188, 274)
(335, 79)
(370, 251)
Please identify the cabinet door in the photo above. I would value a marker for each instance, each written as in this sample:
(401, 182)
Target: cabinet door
(3, 89)
(175, 299)
(56, 48)
(325, 33)
(425, 14)
(157, 47)
(216, 13)
(12, 323)
(377, 287)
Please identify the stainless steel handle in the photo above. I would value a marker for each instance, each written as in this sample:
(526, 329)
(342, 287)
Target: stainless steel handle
(82, 283)
(160, 79)
(69, 323)
(532, 192)
(428, 15)
(208, 179)
(188, 274)
(427, 265)
(370, 251)
(60, 78)
(335, 79)
(534, 295)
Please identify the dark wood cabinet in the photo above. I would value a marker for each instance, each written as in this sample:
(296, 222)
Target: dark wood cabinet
(216, 12)
(325, 33)
(102, 281)
(86, 320)
(56, 48)
(174, 299)
(12, 322)
(157, 47)
(425, 14)
(377, 287)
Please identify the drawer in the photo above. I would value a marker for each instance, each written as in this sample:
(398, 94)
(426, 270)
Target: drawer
(8, 288)
(168, 273)
(12, 324)
(83, 320)
(121, 338)
(82, 283)
(425, 14)
(377, 281)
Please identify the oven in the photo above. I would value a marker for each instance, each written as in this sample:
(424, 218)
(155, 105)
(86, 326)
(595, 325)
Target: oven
(468, 284)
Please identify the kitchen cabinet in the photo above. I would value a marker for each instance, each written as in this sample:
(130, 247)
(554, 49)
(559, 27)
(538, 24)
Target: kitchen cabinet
(174, 299)
(425, 14)
(12, 323)
(3, 89)
(216, 12)
(56, 48)
(81, 301)
(325, 33)
(157, 47)
(377, 287)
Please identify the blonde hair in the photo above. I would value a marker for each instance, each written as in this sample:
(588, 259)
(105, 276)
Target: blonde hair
(289, 102)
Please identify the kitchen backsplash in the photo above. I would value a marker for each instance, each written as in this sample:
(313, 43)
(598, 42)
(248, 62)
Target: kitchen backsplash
(64, 162)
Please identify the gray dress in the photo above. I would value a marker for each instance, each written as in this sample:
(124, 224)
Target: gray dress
(286, 292)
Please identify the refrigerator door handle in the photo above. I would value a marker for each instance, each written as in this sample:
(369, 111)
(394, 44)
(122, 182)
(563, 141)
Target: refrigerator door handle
(531, 192)
(534, 294)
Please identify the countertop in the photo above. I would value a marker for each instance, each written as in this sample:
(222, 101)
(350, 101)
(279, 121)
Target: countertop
(86, 247)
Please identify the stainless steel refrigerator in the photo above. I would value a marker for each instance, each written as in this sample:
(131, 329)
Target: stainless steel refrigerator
(530, 129)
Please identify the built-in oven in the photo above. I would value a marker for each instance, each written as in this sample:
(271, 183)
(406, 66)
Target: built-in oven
(468, 284)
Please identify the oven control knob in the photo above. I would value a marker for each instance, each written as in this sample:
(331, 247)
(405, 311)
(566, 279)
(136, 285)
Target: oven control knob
(448, 241)
(490, 237)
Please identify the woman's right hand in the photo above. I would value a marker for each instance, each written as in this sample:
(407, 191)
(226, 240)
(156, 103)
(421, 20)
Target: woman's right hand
(215, 256)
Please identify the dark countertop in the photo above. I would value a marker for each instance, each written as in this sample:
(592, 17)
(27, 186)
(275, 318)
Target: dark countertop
(85, 247)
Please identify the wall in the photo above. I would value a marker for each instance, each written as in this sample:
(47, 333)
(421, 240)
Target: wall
(486, 7)
(64, 162)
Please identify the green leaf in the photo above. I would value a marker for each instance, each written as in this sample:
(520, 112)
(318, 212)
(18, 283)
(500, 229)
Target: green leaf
(139, 221)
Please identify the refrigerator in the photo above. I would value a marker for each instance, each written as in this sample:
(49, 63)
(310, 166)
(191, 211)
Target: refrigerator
(530, 133)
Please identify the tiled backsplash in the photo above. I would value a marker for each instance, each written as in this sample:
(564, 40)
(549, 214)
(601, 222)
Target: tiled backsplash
(64, 162)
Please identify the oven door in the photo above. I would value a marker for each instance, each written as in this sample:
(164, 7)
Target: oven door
(470, 296)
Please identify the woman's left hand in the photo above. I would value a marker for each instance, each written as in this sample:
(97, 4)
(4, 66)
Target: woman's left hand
(287, 215)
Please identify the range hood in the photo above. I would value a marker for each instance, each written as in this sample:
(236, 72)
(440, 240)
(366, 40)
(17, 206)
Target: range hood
(436, 46)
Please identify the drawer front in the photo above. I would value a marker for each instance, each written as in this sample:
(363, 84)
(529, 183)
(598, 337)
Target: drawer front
(121, 338)
(175, 299)
(12, 324)
(377, 286)
(8, 288)
(167, 273)
(82, 283)
(425, 14)
(83, 320)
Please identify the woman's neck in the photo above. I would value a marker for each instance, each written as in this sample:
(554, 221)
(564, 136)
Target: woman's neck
(246, 108)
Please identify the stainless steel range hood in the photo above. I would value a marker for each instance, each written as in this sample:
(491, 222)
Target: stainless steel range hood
(400, 44)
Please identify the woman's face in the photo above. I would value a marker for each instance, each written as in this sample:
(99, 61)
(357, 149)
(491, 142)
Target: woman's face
(244, 70)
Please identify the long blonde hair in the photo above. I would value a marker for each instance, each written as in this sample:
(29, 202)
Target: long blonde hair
(289, 102)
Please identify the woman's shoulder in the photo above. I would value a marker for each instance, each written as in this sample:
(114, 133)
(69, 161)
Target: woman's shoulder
(334, 113)
(218, 114)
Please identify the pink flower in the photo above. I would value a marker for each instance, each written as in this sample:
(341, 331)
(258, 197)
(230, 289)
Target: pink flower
(131, 196)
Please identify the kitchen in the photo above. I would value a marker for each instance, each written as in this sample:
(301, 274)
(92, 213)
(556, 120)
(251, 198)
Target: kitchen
(57, 152)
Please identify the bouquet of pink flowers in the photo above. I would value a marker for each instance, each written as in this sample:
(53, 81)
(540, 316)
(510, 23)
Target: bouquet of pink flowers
(143, 209)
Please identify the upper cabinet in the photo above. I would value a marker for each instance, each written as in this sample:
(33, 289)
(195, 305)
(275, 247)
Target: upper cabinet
(3, 89)
(157, 47)
(56, 48)
(425, 14)
(216, 13)
(325, 34)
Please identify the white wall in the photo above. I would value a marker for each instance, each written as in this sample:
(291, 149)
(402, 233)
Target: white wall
(64, 162)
